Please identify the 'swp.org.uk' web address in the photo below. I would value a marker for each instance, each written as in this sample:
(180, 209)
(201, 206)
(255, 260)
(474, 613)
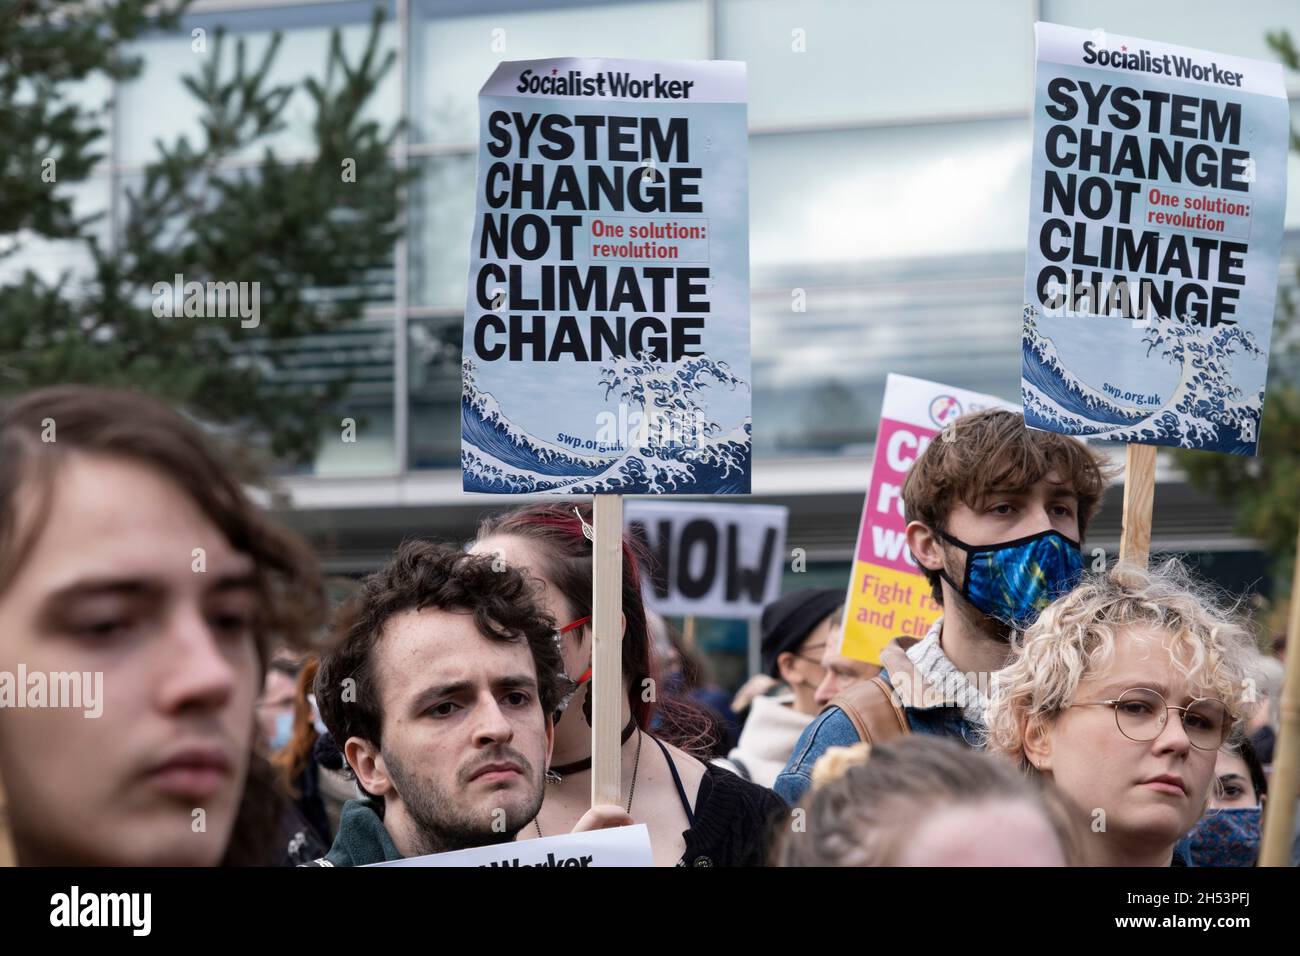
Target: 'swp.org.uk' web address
(1182, 922)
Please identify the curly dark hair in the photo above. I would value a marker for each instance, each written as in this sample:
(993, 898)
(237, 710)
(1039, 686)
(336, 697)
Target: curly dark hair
(423, 575)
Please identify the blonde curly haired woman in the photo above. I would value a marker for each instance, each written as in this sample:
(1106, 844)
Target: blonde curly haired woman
(1087, 704)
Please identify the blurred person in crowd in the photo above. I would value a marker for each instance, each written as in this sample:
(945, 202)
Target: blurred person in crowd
(1122, 695)
(685, 674)
(996, 514)
(759, 685)
(797, 630)
(311, 771)
(1228, 833)
(130, 554)
(697, 814)
(841, 672)
(1239, 777)
(925, 801)
(275, 706)
(439, 690)
(1264, 722)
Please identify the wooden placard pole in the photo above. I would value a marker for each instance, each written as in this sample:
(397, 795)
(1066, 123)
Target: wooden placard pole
(607, 650)
(1279, 812)
(688, 631)
(1139, 492)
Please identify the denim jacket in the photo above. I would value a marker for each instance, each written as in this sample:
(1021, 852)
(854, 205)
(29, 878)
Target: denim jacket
(832, 727)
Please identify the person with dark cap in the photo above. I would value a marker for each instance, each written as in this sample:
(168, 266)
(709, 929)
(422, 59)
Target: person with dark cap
(797, 628)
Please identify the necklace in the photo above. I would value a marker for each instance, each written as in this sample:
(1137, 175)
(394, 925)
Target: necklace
(631, 790)
(556, 774)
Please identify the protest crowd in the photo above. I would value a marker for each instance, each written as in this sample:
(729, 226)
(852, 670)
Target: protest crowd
(446, 702)
(194, 672)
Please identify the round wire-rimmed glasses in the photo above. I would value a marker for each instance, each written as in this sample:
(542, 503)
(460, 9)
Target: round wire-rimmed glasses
(1141, 714)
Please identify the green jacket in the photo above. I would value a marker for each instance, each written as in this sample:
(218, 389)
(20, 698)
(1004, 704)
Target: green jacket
(362, 838)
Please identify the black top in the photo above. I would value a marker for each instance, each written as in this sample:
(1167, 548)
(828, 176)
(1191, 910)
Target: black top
(677, 782)
(733, 819)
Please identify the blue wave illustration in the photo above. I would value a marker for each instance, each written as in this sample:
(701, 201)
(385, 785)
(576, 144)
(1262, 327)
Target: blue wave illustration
(498, 456)
(508, 445)
(1205, 410)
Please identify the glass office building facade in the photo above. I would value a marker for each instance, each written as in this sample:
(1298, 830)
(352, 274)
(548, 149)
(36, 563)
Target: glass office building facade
(889, 159)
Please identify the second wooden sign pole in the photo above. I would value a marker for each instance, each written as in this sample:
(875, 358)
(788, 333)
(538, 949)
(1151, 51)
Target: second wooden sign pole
(1139, 495)
(607, 650)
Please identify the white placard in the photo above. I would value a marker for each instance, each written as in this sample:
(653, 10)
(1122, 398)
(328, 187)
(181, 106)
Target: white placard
(617, 846)
(712, 560)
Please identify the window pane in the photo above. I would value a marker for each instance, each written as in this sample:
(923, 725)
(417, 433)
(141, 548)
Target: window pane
(364, 353)
(441, 223)
(434, 391)
(819, 375)
(158, 106)
(452, 56)
(860, 59)
(886, 193)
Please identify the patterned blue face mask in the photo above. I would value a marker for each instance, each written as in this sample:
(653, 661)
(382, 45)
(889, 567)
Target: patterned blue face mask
(1013, 581)
(1228, 837)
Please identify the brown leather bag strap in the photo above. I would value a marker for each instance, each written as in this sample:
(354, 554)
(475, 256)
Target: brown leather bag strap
(874, 710)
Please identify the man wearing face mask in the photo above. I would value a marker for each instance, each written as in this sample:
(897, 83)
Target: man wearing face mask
(996, 516)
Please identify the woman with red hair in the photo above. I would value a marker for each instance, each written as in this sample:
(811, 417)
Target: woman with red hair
(698, 814)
